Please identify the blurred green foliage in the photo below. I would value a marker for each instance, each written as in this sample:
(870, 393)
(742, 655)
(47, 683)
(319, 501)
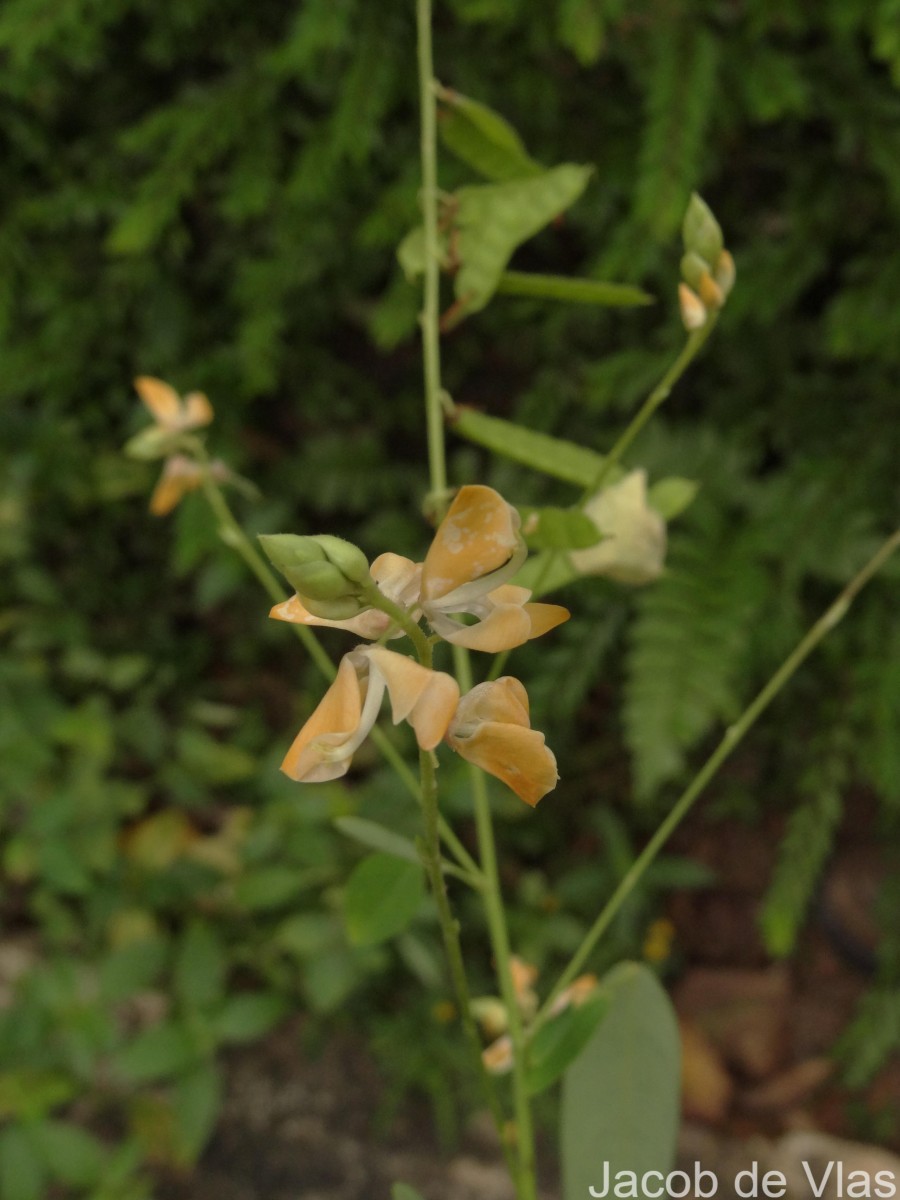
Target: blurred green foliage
(213, 193)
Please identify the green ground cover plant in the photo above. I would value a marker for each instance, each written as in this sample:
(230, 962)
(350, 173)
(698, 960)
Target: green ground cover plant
(189, 217)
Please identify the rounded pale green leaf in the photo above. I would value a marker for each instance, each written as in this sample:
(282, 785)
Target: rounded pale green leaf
(382, 896)
(620, 1098)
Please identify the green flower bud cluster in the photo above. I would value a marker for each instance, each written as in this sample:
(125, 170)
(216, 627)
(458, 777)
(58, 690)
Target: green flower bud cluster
(707, 268)
(329, 575)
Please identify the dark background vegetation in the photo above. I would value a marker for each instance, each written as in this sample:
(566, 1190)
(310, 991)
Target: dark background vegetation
(212, 192)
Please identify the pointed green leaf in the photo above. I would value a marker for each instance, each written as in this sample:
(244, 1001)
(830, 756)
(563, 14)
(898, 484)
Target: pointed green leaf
(560, 1041)
(402, 1191)
(493, 219)
(554, 456)
(483, 139)
(571, 290)
(553, 528)
(670, 497)
(248, 1015)
(196, 1104)
(376, 837)
(620, 1097)
(156, 1053)
(382, 896)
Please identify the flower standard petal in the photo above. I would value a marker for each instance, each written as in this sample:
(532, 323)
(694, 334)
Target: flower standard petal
(322, 749)
(162, 400)
(492, 730)
(196, 411)
(477, 539)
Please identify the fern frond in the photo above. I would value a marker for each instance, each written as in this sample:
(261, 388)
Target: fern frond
(679, 104)
(873, 1036)
(688, 644)
(804, 849)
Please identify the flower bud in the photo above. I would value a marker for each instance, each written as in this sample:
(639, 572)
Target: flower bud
(724, 272)
(701, 231)
(327, 573)
(693, 310)
(693, 268)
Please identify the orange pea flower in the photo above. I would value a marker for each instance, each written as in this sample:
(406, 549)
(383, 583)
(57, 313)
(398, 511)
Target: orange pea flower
(325, 745)
(398, 579)
(491, 728)
(181, 475)
(169, 411)
(476, 550)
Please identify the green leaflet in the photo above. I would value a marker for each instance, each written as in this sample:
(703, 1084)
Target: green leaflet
(554, 456)
(553, 528)
(620, 1098)
(671, 496)
(494, 218)
(377, 837)
(382, 896)
(572, 290)
(483, 139)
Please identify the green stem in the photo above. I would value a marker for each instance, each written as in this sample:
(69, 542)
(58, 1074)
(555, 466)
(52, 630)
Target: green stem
(660, 393)
(493, 902)
(450, 932)
(431, 313)
(733, 736)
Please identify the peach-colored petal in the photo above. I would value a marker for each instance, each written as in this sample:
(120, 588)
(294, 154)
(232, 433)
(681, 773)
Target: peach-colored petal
(492, 730)
(180, 475)
(518, 757)
(397, 577)
(427, 699)
(197, 411)
(503, 699)
(504, 627)
(368, 624)
(333, 724)
(161, 399)
(498, 1057)
(545, 617)
(478, 536)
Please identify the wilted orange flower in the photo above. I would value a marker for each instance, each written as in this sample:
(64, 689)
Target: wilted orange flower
(476, 550)
(170, 412)
(325, 745)
(491, 728)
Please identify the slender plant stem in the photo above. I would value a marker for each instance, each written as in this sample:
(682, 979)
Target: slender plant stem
(733, 736)
(496, 917)
(660, 393)
(431, 314)
(450, 931)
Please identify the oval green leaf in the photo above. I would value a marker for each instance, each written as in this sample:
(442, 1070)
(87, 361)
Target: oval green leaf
(382, 896)
(620, 1098)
